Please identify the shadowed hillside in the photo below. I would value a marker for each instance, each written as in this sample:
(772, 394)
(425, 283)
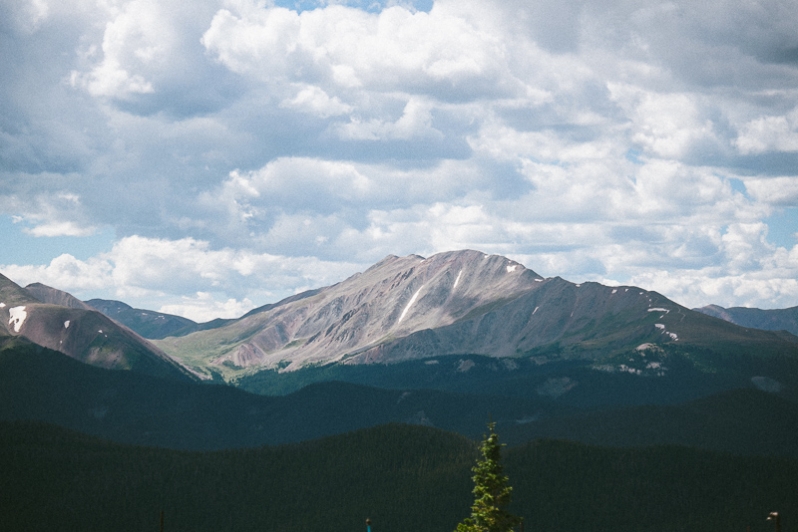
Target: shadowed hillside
(36, 384)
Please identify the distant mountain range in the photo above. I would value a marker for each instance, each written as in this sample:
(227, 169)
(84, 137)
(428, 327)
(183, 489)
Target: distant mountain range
(467, 303)
(447, 341)
(768, 320)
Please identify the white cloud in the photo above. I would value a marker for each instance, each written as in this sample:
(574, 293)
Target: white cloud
(776, 191)
(665, 125)
(60, 229)
(234, 145)
(314, 100)
(203, 308)
(64, 272)
(158, 273)
(769, 133)
(396, 49)
(137, 36)
(415, 121)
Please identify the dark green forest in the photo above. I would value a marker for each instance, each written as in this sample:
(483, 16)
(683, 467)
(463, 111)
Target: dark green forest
(405, 478)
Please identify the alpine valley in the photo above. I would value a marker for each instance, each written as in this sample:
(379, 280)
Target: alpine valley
(422, 351)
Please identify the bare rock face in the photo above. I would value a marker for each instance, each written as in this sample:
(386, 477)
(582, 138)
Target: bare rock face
(463, 302)
(395, 298)
(85, 335)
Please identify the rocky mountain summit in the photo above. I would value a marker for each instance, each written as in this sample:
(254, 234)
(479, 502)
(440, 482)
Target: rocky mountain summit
(455, 303)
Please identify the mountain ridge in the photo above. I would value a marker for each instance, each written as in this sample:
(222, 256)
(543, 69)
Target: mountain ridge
(80, 333)
(755, 318)
(455, 303)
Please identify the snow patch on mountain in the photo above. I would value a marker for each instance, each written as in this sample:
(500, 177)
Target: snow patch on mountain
(673, 336)
(457, 280)
(17, 317)
(410, 304)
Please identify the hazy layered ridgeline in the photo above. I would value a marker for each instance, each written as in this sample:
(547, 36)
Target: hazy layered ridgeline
(770, 320)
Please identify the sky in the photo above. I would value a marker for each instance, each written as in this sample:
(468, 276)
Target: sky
(203, 158)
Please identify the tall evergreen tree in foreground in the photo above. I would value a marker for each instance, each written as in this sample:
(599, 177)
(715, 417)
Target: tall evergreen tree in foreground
(491, 491)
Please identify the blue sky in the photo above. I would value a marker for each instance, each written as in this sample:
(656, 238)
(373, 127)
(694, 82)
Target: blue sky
(207, 157)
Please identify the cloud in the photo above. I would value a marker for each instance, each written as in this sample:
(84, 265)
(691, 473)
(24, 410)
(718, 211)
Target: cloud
(596, 142)
(775, 191)
(396, 49)
(770, 133)
(203, 307)
(64, 272)
(311, 99)
(183, 274)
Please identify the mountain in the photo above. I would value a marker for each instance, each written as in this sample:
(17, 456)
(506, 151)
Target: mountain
(768, 320)
(468, 303)
(401, 477)
(85, 335)
(147, 323)
(53, 296)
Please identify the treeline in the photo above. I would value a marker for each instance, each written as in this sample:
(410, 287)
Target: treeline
(404, 478)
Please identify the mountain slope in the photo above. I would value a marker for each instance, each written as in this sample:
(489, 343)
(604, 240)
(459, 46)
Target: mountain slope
(147, 323)
(769, 320)
(458, 303)
(85, 335)
(394, 298)
(53, 296)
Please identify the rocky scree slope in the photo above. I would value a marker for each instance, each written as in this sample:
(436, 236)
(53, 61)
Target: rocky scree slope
(462, 302)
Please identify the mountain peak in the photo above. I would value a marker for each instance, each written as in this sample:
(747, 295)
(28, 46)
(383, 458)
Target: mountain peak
(56, 320)
(53, 296)
(351, 320)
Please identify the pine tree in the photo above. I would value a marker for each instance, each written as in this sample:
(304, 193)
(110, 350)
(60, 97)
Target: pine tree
(491, 491)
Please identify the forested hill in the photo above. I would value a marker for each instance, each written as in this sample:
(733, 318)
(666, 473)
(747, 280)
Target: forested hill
(404, 478)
